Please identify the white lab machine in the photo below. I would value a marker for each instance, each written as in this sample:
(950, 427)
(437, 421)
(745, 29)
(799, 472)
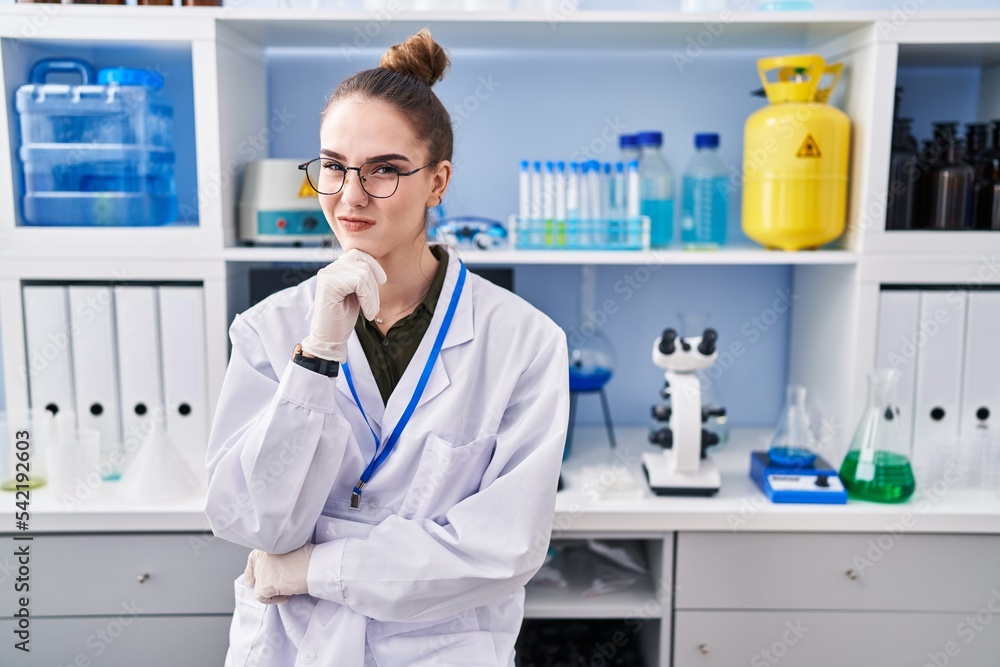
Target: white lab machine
(277, 205)
(683, 468)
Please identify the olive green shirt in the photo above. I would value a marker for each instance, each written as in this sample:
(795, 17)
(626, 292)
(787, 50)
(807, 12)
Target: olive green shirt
(389, 355)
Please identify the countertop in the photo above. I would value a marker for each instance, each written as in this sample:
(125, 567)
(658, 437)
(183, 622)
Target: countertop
(582, 508)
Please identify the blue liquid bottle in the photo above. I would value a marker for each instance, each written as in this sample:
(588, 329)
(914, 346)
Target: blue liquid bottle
(657, 190)
(705, 196)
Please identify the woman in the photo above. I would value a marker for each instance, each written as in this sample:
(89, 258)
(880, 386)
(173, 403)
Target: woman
(396, 477)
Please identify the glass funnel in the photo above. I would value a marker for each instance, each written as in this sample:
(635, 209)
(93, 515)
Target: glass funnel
(793, 444)
(877, 467)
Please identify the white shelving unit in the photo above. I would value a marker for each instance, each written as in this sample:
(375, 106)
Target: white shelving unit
(229, 50)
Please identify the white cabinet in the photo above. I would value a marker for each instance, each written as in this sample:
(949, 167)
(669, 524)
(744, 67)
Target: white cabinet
(122, 641)
(836, 599)
(836, 571)
(120, 600)
(808, 638)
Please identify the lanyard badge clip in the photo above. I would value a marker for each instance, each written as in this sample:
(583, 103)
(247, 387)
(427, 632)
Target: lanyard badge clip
(356, 495)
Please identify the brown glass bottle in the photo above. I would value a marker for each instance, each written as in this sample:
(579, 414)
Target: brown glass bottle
(986, 189)
(950, 190)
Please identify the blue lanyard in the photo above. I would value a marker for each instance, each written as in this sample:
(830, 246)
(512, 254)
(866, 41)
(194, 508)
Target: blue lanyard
(381, 456)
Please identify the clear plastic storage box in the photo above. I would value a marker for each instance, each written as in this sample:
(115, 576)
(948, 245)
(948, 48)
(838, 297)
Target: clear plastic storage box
(96, 153)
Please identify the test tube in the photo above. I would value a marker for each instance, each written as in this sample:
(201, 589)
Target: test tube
(586, 217)
(534, 220)
(619, 229)
(596, 213)
(524, 192)
(632, 205)
(548, 202)
(560, 197)
(573, 204)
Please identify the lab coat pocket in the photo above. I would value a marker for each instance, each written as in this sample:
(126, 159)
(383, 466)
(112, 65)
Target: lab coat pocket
(257, 635)
(447, 474)
(458, 641)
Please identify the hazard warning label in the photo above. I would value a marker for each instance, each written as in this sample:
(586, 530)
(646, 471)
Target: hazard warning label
(809, 148)
(306, 190)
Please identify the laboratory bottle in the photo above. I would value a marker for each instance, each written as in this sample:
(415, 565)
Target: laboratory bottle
(986, 191)
(931, 158)
(877, 466)
(656, 184)
(628, 148)
(950, 190)
(794, 443)
(903, 174)
(976, 141)
(705, 196)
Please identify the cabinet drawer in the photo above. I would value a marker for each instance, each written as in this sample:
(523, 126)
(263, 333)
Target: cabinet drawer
(832, 639)
(156, 573)
(121, 641)
(947, 573)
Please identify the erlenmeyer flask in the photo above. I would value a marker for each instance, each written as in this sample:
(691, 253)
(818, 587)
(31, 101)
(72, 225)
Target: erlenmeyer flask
(793, 444)
(877, 467)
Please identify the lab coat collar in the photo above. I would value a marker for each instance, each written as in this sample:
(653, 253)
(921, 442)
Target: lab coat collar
(461, 331)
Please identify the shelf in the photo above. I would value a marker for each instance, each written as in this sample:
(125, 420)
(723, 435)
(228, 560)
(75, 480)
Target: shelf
(937, 244)
(726, 256)
(543, 601)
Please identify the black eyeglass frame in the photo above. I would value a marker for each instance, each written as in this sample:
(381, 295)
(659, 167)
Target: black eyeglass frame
(305, 167)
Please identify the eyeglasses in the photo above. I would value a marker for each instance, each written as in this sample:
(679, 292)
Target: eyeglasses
(378, 179)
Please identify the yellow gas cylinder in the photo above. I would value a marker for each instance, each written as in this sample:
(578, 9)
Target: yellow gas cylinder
(796, 152)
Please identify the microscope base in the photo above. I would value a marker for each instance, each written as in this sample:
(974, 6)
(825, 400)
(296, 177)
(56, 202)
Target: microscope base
(664, 480)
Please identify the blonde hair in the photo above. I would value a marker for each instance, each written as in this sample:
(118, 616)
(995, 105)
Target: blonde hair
(403, 79)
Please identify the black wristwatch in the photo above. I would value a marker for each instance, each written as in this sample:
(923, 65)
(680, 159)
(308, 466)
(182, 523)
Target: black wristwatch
(315, 364)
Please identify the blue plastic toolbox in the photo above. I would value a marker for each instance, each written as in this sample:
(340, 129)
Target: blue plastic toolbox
(99, 153)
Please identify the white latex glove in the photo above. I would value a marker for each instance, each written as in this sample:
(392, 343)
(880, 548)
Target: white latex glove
(276, 576)
(342, 287)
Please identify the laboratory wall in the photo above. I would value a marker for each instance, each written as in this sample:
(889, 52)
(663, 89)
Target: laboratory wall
(749, 306)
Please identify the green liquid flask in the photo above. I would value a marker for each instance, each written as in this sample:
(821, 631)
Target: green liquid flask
(877, 467)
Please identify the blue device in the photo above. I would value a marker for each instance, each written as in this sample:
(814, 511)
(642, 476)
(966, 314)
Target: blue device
(816, 483)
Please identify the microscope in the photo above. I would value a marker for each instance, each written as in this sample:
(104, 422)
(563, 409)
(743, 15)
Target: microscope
(683, 469)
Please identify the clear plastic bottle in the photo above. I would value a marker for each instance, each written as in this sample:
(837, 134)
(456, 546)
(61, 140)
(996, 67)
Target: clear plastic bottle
(656, 183)
(705, 197)
(628, 148)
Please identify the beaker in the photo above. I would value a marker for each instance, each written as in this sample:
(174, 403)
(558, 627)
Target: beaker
(793, 444)
(25, 436)
(877, 466)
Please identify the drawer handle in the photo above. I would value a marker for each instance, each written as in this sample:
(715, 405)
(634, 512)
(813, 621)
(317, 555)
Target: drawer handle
(703, 648)
(142, 577)
(852, 575)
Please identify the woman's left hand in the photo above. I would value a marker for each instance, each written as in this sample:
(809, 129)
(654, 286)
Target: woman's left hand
(276, 576)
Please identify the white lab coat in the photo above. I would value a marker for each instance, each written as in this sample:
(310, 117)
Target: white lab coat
(431, 570)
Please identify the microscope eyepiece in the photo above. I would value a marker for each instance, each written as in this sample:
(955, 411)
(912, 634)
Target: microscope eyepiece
(667, 341)
(708, 339)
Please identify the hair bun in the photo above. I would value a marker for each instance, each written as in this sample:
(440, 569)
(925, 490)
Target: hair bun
(419, 56)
